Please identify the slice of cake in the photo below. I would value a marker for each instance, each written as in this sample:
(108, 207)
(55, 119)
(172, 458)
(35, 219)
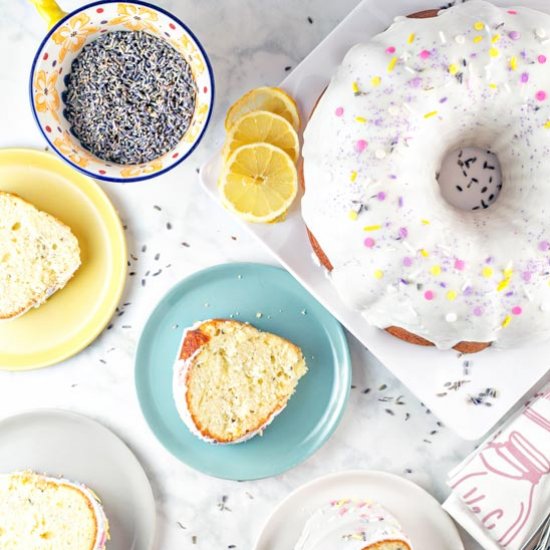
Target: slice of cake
(231, 380)
(46, 513)
(353, 525)
(38, 256)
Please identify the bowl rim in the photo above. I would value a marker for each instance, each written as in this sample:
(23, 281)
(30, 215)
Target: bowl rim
(104, 177)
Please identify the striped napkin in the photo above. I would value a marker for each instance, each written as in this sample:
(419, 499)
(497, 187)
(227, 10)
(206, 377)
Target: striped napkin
(501, 493)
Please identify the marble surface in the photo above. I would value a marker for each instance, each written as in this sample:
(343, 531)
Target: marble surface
(250, 43)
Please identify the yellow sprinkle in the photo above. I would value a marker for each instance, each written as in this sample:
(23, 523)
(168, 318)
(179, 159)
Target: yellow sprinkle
(508, 272)
(375, 81)
(493, 52)
(410, 40)
(479, 25)
(493, 86)
(513, 63)
(425, 222)
(547, 124)
(372, 227)
(353, 176)
(495, 38)
(352, 215)
(435, 270)
(378, 274)
(453, 69)
(430, 114)
(392, 64)
(506, 321)
(478, 39)
(503, 284)
(451, 295)
(424, 252)
(487, 272)
(355, 88)
(360, 119)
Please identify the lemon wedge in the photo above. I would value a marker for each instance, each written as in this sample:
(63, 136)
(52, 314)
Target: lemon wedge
(266, 127)
(265, 98)
(259, 182)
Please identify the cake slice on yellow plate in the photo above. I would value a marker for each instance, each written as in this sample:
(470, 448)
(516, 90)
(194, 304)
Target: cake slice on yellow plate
(46, 513)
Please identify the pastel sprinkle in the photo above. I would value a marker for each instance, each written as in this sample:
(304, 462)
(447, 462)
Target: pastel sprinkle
(407, 262)
(495, 38)
(487, 272)
(430, 114)
(516, 310)
(493, 86)
(459, 264)
(372, 227)
(375, 81)
(541, 59)
(355, 87)
(369, 242)
(453, 69)
(526, 276)
(503, 284)
(353, 176)
(403, 232)
(494, 52)
(392, 64)
(390, 50)
(410, 40)
(479, 25)
(451, 295)
(514, 35)
(541, 95)
(478, 312)
(339, 111)
(451, 317)
(524, 78)
(429, 295)
(360, 119)
(424, 252)
(477, 39)
(506, 321)
(360, 145)
(513, 64)
(425, 222)
(378, 274)
(381, 196)
(512, 12)
(424, 54)
(435, 270)
(352, 215)
(544, 246)
(547, 124)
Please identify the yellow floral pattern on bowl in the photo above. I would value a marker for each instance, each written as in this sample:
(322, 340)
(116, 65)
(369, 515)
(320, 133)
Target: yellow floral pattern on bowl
(53, 63)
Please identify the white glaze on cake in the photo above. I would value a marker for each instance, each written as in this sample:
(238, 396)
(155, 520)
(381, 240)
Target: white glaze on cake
(476, 75)
(350, 525)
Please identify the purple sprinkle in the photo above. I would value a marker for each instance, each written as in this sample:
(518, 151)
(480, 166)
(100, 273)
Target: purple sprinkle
(489, 260)
(381, 196)
(400, 202)
(468, 291)
(508, 294)
(403, 281)
(407, 262)
(524, 77)
(392, 176)
(403, 232)
(514, 35)
(442, 100)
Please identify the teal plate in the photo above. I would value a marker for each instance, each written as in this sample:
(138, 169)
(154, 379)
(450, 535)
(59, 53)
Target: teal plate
(272, 300)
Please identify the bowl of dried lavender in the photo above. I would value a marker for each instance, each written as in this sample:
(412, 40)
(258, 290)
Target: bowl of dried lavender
(122, 91)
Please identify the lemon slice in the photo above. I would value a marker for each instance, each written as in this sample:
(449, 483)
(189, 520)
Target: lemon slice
(273, 100)
(263, 126)
(259, 182)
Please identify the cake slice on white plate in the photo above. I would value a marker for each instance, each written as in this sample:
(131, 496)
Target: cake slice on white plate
(38, 256)
(46, 513)
(231, 380)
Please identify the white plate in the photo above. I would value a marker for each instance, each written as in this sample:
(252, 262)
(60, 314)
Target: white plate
(421, 516)
(513, 373)
(60, 443)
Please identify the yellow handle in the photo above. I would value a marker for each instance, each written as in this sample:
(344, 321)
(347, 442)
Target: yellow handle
(49, 10)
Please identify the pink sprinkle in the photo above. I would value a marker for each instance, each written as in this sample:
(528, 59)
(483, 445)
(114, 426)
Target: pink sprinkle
(526, 276)
(541, 59)
(541, 95)
(403, 232)
(524, 77)
(424, 54)
(429, 295)
(514, 35)
(407, 262)
(360, 145)
(390, 50)
(369, 242)
(512, 12)
(459, 264)
(544, 246)
(517, 310)
(478, 312)
(339, 111)
(381, 196)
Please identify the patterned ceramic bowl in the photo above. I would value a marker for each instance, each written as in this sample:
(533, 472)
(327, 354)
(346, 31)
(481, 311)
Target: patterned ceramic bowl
(68, 34)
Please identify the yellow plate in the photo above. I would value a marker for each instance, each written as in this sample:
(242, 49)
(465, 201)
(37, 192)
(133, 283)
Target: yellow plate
(73, 317)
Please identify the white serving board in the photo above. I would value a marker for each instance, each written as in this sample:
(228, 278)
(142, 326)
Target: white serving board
(512, 373)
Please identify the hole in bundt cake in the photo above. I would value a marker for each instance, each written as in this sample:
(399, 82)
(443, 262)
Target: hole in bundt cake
(470, 178)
